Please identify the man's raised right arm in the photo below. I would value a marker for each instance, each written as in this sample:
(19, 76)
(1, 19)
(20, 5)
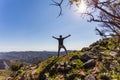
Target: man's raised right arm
(54, 37)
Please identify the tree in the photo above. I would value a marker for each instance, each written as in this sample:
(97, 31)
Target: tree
(109, 16)
(105, 12)
(15, 66)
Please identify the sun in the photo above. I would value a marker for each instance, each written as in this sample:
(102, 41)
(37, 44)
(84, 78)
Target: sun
(82, 7)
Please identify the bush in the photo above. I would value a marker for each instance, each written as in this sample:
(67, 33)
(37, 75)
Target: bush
(79, 63)
(15, 66)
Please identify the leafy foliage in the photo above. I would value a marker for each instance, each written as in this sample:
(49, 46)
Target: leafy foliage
(15, 66)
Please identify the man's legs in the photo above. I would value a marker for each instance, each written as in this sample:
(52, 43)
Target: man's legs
(65, 50)
(59, 50)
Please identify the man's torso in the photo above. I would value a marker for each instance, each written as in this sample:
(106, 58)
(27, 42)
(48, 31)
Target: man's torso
(60, 40)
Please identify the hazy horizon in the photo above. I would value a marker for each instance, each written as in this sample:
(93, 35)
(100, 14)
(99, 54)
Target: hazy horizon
(36, 51)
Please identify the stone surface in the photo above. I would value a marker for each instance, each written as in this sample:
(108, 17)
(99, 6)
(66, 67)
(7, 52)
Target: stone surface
(89, 64)
(113, 54)
(85, 57)
(73, 64)
(107, 65)
(90, 77)
(74, 57)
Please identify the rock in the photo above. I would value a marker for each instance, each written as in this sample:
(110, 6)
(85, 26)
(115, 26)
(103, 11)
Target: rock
(89, 64)
(90, 77)
(113, 65)
(73, 64)
(104, 77)
(96, 70)
(85, 49)
(113, 54)
(34, 74)
(60, 68)
(62, 63)
(100, 57)
(82, 73)
(74, 57)
(107, 65)
(118, 54)
(95, 48)
(56, 66)
(68, 67)
(118, 61)
(109, 58)
(45, 77)
(64, 67)
(9, 78)
(85, 57)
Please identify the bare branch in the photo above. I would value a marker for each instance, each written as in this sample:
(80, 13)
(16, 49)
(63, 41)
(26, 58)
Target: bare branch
(108, 12)
(59, 4)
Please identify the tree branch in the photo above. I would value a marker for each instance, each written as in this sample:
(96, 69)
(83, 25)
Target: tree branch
(108, 12)
(59, 4)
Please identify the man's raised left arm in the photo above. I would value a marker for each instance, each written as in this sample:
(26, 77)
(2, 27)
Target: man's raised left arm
(67, 36)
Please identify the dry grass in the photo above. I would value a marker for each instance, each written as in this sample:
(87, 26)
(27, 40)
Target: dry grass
(2, 78)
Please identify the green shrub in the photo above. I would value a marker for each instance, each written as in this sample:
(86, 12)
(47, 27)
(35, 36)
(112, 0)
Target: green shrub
(15, 66)
(79, 63)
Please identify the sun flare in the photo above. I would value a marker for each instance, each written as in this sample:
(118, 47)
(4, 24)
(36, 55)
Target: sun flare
(82, 7)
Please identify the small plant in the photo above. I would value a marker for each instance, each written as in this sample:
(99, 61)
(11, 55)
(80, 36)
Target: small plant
(104, 77)
(79, 63)
(114, 75)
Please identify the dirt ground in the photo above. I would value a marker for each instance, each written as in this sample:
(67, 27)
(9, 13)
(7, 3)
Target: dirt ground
(2, 78)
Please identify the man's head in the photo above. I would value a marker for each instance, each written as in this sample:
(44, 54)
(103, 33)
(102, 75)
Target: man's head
(60, 36)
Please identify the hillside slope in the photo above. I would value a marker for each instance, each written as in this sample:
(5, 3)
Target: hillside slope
(99, 61)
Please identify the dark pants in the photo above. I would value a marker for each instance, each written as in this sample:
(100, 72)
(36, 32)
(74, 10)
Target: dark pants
(59, 48)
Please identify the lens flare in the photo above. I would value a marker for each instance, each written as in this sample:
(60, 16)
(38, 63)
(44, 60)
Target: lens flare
(82, 7)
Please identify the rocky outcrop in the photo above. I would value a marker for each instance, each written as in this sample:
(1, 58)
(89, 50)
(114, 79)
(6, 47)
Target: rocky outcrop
(74, 57)
(89, 64)
(85, 57)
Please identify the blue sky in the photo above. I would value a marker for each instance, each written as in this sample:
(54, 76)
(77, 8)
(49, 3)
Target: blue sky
(30, 24)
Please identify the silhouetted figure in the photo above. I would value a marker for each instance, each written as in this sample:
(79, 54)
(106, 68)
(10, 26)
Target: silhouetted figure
(60, 41)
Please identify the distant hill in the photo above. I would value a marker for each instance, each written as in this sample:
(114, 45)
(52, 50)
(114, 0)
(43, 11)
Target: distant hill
(28, 56)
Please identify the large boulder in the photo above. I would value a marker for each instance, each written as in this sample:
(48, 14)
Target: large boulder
(85, 57)
(89, 64)
(74, 57)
